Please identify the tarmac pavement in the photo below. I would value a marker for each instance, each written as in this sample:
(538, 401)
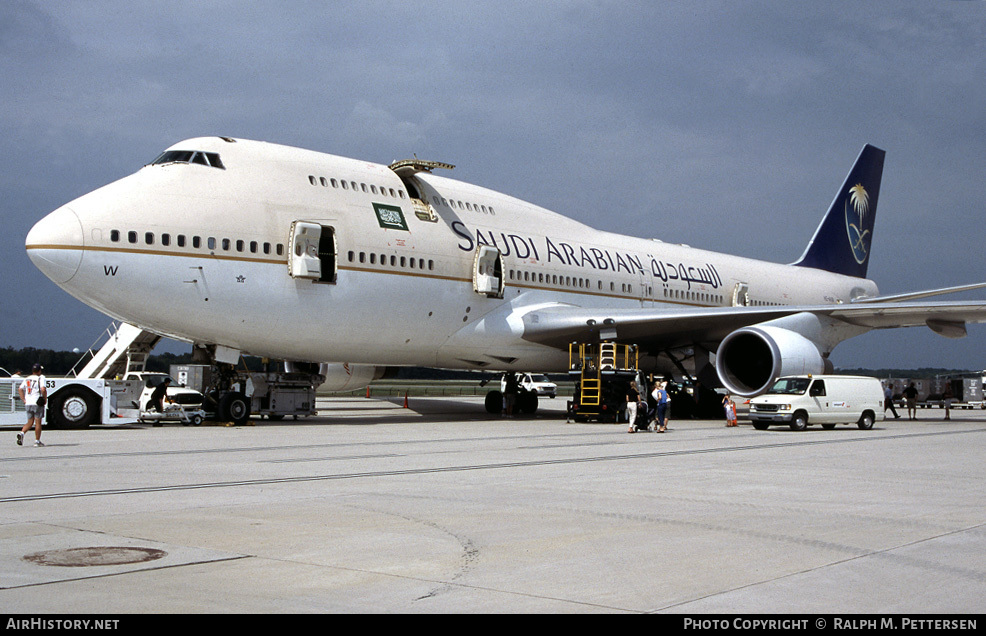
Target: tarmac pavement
(440, 508)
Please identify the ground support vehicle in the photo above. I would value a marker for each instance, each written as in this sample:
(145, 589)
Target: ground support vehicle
(825, 399)
(537, 383)
(602, 373)
(73, 402)
(174, 413)
(177, 393)
(271, 394)
(114, 382)
(967, 393)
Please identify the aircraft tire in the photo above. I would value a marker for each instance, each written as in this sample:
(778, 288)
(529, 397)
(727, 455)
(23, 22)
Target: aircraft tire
(494, 402)
(527, 402)
(234, 407)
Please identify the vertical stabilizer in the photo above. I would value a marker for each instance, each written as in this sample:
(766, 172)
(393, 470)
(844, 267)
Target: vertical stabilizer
(842, 242)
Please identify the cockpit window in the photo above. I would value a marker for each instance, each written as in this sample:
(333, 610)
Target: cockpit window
(189, 156)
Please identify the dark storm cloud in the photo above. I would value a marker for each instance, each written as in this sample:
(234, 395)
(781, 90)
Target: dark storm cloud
(715, 124)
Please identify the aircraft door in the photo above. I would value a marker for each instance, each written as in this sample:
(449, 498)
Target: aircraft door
(487, 272)
(303, 259)
(741, 295)
(327, 254)
(312, 252)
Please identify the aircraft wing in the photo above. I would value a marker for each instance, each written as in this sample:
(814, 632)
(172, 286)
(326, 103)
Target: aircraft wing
(661, 328)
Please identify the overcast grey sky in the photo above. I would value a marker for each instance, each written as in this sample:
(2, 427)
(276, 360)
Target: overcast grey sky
(724, 125)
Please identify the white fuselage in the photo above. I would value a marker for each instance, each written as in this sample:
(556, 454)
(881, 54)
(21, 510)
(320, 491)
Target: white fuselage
(201, 254)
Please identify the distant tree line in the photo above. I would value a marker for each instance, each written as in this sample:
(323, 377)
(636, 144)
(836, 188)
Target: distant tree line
(61, 362)
(923, 372)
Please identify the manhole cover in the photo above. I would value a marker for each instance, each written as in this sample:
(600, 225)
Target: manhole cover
(101, 555)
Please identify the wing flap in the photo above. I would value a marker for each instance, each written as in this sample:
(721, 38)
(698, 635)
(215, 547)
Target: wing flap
(889, 315)
(920, 294)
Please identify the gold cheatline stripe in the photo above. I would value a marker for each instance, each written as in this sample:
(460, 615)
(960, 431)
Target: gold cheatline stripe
(269, 261)
(126, 250)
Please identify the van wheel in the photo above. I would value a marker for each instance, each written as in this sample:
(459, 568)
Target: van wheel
(761, 426)
(865, 421)
(800, 421)
(828, 427)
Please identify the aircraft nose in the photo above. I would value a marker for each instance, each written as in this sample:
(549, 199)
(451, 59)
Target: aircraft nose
(55, 244)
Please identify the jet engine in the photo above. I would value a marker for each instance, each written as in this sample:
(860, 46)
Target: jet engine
(750, 359)
(339, 376)
(342, 376)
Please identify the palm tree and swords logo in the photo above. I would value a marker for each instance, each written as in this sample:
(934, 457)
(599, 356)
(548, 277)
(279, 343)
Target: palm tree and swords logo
(857, 205)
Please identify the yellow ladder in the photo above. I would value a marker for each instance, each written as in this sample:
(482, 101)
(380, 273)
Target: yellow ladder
(591, 390)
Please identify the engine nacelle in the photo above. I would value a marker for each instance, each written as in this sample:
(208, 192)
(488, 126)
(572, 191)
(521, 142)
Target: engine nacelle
(339, 376)
(750, 359)
(342, 376)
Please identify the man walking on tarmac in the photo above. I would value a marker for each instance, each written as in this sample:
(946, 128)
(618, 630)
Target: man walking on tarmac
(32, 391)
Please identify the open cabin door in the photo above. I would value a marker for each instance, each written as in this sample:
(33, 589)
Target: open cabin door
(487, 272)
(313, 252)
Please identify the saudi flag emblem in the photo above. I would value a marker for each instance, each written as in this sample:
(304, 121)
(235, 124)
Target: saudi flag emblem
(390, 217)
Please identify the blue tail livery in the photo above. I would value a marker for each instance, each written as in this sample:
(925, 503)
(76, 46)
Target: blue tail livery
(842, 242)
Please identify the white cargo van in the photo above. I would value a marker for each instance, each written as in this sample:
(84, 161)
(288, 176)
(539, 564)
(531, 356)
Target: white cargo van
(536, 382)
(822, 399)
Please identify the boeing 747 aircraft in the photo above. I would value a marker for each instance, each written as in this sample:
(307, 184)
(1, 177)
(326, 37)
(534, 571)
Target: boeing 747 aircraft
(242, 246)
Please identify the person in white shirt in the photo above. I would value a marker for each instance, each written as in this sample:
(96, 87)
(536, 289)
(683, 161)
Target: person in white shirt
(32, 388)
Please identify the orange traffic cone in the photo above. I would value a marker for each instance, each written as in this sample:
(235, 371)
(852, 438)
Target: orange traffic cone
(368, 391)
(405, 399)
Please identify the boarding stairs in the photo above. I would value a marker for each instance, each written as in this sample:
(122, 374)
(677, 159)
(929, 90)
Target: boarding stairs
(126, 349)
(597, 366)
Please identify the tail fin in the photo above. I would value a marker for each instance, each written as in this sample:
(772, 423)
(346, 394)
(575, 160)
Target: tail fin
(841, 243)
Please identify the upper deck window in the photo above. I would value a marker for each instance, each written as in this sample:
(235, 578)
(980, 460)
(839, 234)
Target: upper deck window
(189, 156)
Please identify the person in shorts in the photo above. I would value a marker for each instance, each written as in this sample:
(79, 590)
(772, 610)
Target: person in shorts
(911, 399)
(32, 388)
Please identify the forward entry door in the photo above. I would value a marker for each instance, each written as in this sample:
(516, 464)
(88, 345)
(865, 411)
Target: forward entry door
(487, 272)
(313, 252)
